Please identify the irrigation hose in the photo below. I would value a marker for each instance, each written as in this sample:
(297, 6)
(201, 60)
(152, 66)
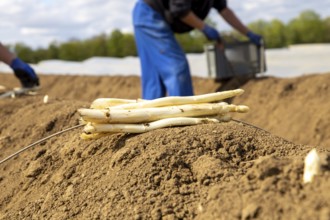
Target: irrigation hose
(243, 122)
(40, 141)
(256, 127)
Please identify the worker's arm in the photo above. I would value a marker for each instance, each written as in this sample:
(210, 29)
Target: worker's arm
(235, 22)
(22, 70)
(5, 55)
(192, 20)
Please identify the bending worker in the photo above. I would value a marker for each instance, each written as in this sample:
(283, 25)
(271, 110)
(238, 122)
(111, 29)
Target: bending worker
(22, 70)
(165, 69)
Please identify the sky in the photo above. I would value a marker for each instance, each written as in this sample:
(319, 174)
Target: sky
(36, 23)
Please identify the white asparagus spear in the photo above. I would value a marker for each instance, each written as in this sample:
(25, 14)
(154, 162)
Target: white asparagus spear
(238, 108)
(102, 103)
(140, 128)
(166, 101)
(151, 114)
(89, 136)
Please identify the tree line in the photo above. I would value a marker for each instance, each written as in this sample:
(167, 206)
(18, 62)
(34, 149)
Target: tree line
(308, 27)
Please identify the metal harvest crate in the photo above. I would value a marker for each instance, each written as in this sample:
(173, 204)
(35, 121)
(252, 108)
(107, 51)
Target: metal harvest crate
(238, 59)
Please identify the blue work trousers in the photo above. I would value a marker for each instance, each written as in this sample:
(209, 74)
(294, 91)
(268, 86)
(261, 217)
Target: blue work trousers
(165, 69)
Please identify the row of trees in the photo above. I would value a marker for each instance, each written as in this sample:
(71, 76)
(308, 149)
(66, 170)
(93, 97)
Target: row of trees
(116, 44)
(308, 27)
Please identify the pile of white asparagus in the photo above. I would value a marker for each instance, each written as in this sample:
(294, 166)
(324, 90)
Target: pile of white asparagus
(111, 115)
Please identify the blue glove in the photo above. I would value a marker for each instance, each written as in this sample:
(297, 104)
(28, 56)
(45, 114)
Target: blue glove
(254, 38)
(211, 33)
(24, 73)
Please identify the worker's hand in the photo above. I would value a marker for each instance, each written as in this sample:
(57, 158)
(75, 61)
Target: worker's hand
(211, 33)
(254, 38)
(24, 73)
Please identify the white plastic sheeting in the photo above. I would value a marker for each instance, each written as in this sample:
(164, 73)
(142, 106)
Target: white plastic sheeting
(285, 62)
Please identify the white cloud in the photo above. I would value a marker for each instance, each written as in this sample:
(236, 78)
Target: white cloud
(38, 22)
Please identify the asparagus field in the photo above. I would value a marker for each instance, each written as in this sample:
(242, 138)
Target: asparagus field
(248, 167)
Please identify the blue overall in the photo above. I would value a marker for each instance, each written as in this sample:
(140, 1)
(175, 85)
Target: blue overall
(165, 69)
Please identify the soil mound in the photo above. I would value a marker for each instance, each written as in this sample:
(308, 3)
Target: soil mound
(214, 171)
